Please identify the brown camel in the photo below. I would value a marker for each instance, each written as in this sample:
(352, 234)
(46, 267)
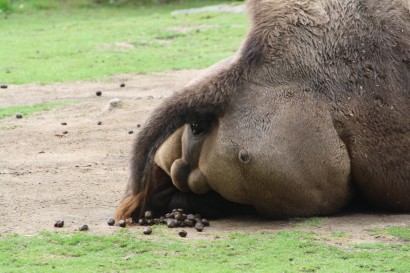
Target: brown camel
(313, 109)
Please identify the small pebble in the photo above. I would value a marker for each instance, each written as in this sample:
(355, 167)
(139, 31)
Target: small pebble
(83, 228)
(122, 223)
(169, 215)
(182, 233)
(122, 85)
(130, 132)
(199, 227)
(148, 214)
(99, 123)
(188, 223)
(205, 222)
(171, 223)
(147, 230)
(142, 221)
(59, 223)
(138, 125)
(98, 93)
(115, 103)
(19, 116)
(111, 221)
(4, 86)
(65, 132)
(63, 123)
(179, 216)
(150, 222)
(190, 217)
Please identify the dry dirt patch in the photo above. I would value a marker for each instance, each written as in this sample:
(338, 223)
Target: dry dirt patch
(80, 177)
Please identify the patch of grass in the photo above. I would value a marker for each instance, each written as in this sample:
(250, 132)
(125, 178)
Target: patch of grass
(399, 232)
(293, 251)
(30, 5)
(93, 43)
(30, 109)
(5, 5)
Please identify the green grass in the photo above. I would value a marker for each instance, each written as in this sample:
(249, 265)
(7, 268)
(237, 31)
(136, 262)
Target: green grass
(5, 6)
(400, 232)
(291, 251)
(71, 44)
(30, 109)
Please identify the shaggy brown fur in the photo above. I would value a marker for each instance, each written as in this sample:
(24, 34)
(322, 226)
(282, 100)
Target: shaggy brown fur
(353, 55)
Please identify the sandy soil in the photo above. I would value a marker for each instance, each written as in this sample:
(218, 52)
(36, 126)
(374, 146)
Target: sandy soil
(80, 176)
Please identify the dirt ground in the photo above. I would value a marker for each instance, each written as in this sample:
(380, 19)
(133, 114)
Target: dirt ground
(80, 176)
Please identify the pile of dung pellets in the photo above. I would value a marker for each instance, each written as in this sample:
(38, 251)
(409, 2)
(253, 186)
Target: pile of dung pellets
(174, 219)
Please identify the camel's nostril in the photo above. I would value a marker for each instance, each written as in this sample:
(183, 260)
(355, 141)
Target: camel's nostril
(244, 156)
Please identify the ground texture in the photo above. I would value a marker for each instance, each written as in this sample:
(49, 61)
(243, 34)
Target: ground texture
(80, 176)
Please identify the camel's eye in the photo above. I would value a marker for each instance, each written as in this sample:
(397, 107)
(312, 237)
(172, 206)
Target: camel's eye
(195, 128)
(200, 127)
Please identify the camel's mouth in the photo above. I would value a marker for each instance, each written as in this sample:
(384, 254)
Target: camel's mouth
(187, 179)
(179, 155)
(167, 197)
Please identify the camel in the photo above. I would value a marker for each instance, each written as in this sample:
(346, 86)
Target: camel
(312, 111)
